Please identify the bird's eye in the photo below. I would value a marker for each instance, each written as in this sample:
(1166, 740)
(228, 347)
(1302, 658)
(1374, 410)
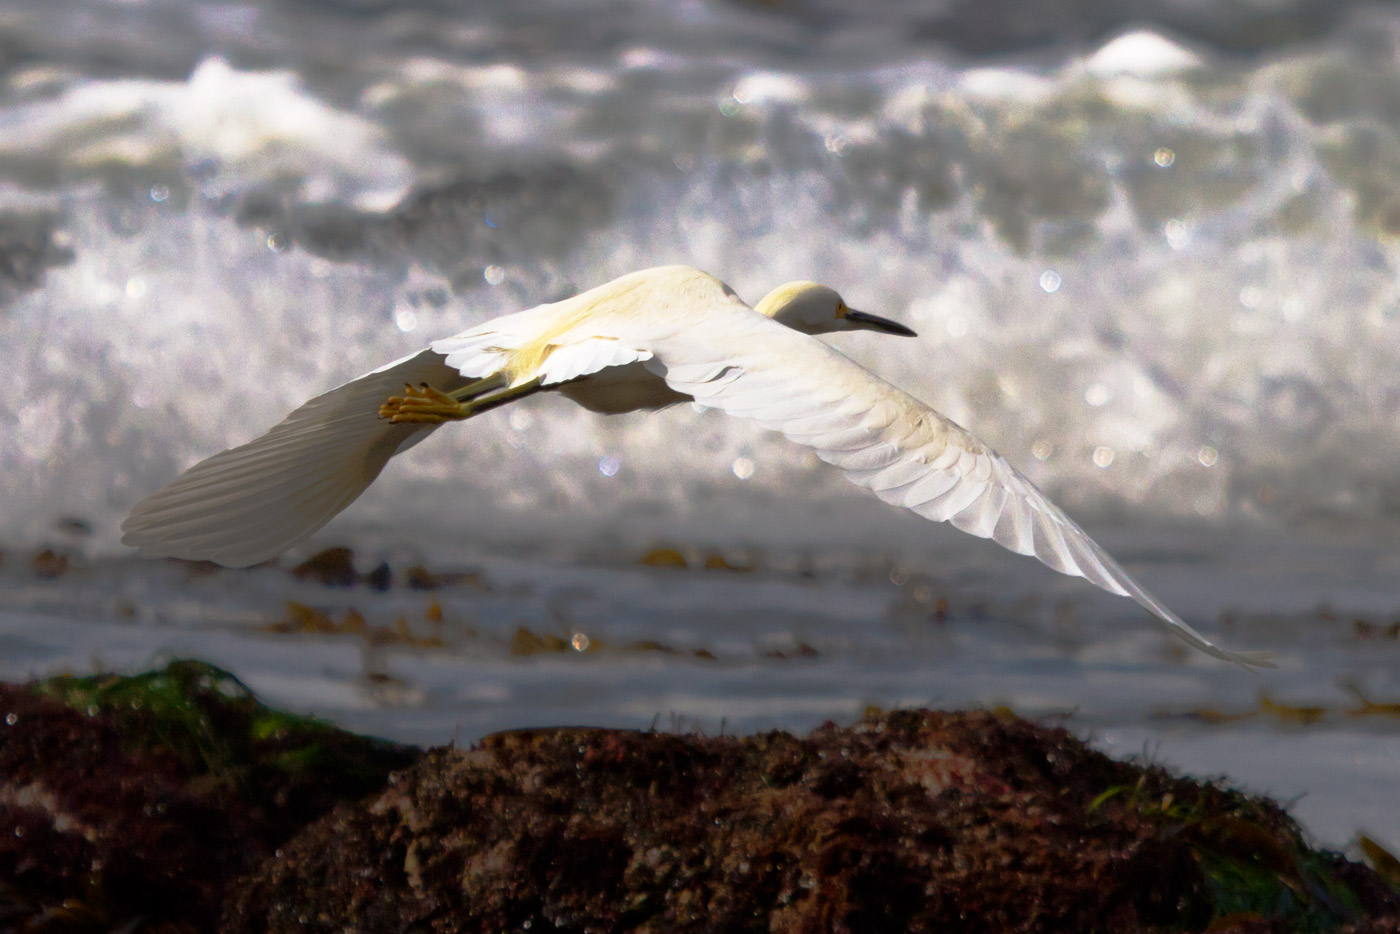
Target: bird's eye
(841, 309)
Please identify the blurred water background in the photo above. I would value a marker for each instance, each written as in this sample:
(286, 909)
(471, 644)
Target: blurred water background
(1152, 249)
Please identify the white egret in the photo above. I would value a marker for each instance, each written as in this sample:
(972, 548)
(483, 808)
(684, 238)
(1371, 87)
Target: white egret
(643, 341)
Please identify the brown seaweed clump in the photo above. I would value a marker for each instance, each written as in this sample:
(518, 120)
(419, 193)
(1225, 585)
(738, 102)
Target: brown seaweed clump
(909, 821)
(88, 831)
(131, 803)
(173, 801)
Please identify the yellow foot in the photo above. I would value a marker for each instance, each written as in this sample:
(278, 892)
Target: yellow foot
(423, 405)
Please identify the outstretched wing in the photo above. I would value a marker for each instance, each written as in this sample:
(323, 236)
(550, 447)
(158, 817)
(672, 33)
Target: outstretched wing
(892, 444)
(248, 503)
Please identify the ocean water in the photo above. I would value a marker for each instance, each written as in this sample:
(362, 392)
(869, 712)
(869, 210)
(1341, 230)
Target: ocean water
(1152, 253)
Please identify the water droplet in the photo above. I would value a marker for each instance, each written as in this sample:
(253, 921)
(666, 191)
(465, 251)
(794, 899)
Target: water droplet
(1178, 233)
(1098, 395)
(743, 468)
(1050, 281)
(1206, 455)
(1042, 450)
(580, 642)
(837, 143)
(521, 420)
(1103, 456)
(406, 319)
(160, 192)
(493, 274)
(11, 719)
(608, 465)
(923, 593)
(276, 242)
(135, 287)
(1164, 157)
(898, 575)
(1251, 296)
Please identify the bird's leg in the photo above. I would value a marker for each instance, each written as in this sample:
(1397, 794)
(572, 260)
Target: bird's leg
(485, 403)
(428, 406)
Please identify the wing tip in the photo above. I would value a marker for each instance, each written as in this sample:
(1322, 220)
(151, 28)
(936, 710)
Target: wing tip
(1250, 661)
(156, 548)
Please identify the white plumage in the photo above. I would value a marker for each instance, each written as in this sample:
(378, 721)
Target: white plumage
(642, 341)
(247, 504)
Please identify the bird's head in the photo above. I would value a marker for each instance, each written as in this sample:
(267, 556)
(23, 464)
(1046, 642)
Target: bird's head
(816, 309)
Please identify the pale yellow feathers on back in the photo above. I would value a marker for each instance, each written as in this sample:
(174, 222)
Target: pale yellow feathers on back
(644, 340)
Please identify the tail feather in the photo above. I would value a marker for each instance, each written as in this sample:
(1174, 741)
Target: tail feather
(246, 504)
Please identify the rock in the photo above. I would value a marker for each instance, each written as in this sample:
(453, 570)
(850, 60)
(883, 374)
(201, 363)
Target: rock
(664, 558)
(334, 567)
(50, 565)
(420, 578)
(908, 821)
(131, 803)
(175, 802)
(381, 578)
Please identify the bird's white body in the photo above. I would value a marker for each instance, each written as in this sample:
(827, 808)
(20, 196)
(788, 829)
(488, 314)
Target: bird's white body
(643, 341)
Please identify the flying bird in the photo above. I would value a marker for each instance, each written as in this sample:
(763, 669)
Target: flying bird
(644, 341)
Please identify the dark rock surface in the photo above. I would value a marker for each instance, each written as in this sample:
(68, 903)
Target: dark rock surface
(131, 803)
(909, 821)
(174, 802)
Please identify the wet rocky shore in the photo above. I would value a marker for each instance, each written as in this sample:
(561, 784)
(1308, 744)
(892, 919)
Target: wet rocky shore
(174, 801)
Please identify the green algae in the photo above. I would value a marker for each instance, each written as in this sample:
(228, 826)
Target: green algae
(132, 803)
(911, 821)
(1253, 857)
(975, 812)
(201, 715)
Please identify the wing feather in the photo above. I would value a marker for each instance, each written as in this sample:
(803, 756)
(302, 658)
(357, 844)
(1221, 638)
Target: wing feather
(586, 357)
(859, 460)
(248, 503)
(894, 445)
(251, 502)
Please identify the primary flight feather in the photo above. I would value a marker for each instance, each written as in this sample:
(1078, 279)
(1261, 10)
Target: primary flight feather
(646, 340)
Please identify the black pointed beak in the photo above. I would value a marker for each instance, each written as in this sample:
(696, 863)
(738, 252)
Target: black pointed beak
(859, 320)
